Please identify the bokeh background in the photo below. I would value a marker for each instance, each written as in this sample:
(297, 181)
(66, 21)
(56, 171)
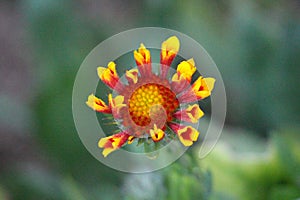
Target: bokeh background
(256, 46)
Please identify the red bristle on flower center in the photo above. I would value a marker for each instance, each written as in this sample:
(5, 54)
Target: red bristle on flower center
(147, 96)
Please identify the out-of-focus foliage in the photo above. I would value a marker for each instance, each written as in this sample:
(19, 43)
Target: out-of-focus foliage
(273, 173)
(186, 180)
(182, 180)
(255, 45)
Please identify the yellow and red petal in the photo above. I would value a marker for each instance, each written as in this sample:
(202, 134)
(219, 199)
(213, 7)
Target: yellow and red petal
(97, 104)
(109, 75)
(116, 105)
(192, 114)
(203, 87)
(156, 134)
(132, 76)
(187, 69)
(142, 58)
(130, 139)
(142, 55)
(186, 134)
(112, 143)
(200, 89)
(115, 102)
(169, 50)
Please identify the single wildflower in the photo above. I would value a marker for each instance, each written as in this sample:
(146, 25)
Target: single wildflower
(148, 103)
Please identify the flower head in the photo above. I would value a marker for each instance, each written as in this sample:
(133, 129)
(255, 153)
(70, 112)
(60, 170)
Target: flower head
(148, 103)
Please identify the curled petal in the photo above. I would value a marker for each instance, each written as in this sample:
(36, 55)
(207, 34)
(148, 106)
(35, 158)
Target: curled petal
(112, 143)
(142, 55)
(192, 114)
(132, 76)
(117, 101)
(116, 104)
(201, 89)
(130, 139)
(181, 80)
(143, 60)
(169, 50)
(157, 134)
(187, 69)
(109, 75)
(97, 104)
(186, 134)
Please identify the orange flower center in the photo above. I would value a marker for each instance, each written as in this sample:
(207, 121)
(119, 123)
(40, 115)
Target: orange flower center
(147, 96)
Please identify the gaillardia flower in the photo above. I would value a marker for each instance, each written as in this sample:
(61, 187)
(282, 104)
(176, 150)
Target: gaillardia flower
(150, 106)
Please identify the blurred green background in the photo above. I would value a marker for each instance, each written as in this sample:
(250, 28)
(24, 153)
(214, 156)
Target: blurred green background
(256, 46)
